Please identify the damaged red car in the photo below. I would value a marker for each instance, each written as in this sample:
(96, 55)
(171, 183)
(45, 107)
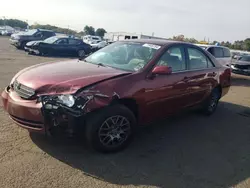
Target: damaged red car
(108, 94)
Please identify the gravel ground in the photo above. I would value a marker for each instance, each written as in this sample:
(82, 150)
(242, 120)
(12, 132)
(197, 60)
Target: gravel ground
(188, 150)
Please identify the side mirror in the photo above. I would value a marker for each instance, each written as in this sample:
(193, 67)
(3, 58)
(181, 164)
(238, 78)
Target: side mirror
(162, 70)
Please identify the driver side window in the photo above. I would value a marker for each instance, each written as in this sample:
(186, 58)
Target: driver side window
(174, 57)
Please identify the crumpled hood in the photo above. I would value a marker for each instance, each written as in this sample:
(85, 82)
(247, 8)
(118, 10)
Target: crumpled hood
(64, 76)
(242, 62)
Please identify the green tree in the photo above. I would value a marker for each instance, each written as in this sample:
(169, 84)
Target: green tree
(14, 23)
(89, 30)
(247, 44)
(100, 32)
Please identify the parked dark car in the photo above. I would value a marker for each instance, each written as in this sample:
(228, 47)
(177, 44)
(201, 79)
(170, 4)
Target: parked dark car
(59, 45)
(20, 39)
(109, 93)
(242, 65)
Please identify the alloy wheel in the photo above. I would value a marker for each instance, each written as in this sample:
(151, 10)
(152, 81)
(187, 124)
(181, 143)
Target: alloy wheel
(114, 131)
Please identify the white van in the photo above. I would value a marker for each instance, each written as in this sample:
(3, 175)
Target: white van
(221, 53)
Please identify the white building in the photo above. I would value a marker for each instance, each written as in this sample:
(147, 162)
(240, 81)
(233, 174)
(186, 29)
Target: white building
(116, 36)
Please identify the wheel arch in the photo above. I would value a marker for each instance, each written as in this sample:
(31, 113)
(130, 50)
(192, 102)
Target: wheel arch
(130, 103)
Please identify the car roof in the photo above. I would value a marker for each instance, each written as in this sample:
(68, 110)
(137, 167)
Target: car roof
(160, 42)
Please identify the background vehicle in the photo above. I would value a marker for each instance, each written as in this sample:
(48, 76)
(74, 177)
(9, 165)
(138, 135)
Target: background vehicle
(221, 53)
(108, 94)
(60, 45)
(20, 39)
(91, 38)
(96, 45)
(242, 65)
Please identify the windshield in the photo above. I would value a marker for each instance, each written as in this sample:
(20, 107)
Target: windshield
(245, 58)
(31, 32)
(51, 40)
(127, 56)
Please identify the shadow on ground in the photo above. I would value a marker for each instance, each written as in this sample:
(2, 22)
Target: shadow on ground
(188, 150)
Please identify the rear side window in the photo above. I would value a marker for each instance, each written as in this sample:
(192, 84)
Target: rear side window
(74, 42)
(226, 52)
(47, 34)
(198, 60)
(216, 52)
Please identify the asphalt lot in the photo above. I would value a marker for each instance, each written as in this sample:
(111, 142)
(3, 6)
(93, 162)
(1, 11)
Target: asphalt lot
(188, 150)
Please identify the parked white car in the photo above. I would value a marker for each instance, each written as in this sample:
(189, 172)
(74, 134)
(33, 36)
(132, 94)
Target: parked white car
(90, 38)
(98, 44)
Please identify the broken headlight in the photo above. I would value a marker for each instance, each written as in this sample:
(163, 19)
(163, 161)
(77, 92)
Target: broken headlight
(67, 100)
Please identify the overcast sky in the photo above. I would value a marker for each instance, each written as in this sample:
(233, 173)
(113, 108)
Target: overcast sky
(213, 19)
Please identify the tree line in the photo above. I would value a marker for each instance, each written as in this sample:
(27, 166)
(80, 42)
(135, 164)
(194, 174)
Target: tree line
(14, 23)
(90, 30)
(236, 45)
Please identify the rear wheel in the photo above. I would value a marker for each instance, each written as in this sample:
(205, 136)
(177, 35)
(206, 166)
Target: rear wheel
(211, 103)
(110, 129)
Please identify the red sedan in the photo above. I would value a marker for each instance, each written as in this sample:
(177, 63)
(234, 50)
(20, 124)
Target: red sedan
(109, 93)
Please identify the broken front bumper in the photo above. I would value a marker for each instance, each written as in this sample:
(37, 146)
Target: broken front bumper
(26, 114)
(42, 115)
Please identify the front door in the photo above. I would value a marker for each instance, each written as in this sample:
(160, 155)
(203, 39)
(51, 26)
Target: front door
(166, 94)
(60, 47)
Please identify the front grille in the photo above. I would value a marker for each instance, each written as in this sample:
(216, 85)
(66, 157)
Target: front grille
(242, 66)
(22, 90)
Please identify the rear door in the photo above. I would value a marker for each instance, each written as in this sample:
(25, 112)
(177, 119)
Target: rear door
(202, 74)
(74, 46)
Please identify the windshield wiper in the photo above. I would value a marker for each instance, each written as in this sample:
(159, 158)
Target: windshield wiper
(100, 64)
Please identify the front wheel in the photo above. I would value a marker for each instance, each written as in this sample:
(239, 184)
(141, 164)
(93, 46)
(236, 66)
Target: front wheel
(211, 103)
(110, 129)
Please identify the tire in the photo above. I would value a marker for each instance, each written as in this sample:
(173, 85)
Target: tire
(210, 105)
(99, 132)
(81, 53)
